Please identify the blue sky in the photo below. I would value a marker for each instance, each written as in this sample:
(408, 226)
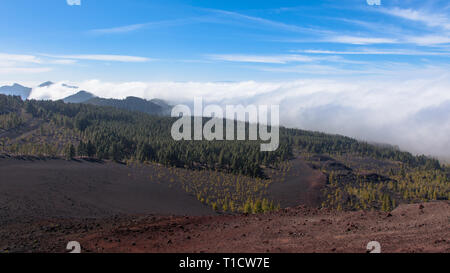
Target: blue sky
(374, 72)
(219, 41)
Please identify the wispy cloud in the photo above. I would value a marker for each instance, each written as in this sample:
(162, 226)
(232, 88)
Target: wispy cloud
(279, 59)
(21, 64)
(147, 25)
(100, 57)
(428, 40)
(360, 40)
(405, 52)
(121, 29)
(24, 70)
(270, 59)
(437, 26)
(11, 64)
(429, 19)
(63, 61)
(19, 58)
(266, 22)
(432, 30)
(319, 70)
(216, 16)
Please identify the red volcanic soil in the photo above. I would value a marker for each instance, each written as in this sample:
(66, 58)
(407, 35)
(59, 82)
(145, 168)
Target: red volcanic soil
(33, 188)
(301, 185)
(409, 228)
(109, 207)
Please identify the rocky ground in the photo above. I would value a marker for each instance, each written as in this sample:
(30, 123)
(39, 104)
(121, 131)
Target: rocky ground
(409, 228)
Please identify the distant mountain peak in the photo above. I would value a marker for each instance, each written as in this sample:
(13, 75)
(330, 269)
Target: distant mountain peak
(130, 103)
(134, 98)
(46, 84)
(16, 90)
(79, 97)
(69, 86)
(160, 102)
(84, 92)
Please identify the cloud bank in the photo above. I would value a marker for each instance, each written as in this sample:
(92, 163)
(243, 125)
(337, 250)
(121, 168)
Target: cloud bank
(414, 113)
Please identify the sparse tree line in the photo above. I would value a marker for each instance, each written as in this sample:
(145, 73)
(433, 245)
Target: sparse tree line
(10, 121)
(351, 190)
(320, 143)
(222, 192)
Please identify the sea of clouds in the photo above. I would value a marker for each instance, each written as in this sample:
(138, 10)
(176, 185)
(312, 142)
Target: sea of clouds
(412, 113)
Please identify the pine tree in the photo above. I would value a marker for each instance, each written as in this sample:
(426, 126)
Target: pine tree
(69, 152)
(257, 207)
(248, 206)
(225, 207)
(265, 205)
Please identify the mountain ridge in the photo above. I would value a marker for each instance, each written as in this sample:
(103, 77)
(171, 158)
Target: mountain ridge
(79, 97)
(16, 90)
(131, 103)
(152, 107)
(46, 84)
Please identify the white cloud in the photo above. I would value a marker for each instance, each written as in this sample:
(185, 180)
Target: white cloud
(215, 16)
(272, 59)
(74, 2)
(436, 33)
(356, 40)
(412, 111)
(321, 70)
(429, 19)
(263, 22)
(376, 52)
(21, 64)
(121, 29)
(278, 59)
(429, 40)
(374, 2)
(24, 70)
(99, 57)
(15, 58)
(135, 27)
(63, 61)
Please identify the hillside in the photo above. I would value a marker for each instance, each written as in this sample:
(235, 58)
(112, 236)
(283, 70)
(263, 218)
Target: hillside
(133, 104)
(79, 97)
(151, 107)
(45, 188)
(357, 175)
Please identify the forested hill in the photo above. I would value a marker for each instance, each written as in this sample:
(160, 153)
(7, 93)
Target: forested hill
(151, 107)
(360, 175)
(110, 133)
(79, 97)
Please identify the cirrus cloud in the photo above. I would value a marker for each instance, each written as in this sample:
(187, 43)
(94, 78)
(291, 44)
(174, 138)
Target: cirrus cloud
(102, 57)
